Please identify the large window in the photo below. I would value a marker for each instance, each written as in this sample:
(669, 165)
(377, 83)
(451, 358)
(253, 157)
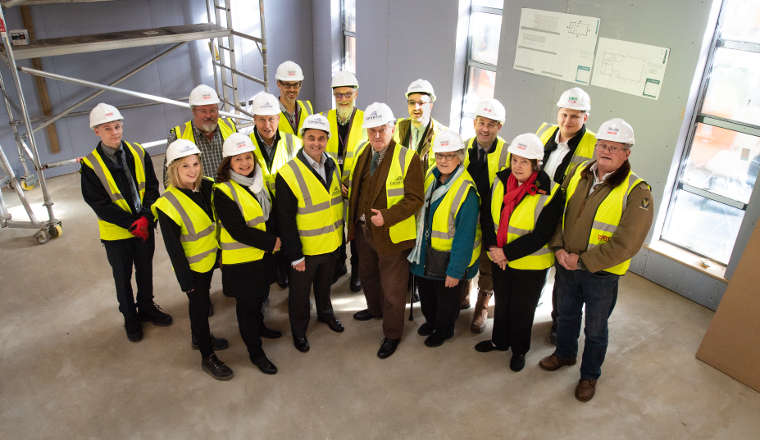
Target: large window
(348, 12)
(482, 58)
(720, 165)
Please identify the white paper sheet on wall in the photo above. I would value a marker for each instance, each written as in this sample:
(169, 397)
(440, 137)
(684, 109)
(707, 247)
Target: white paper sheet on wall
(628, 67)
(556, 45)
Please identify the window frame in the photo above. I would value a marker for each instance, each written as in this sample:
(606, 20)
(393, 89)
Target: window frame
(345, 34)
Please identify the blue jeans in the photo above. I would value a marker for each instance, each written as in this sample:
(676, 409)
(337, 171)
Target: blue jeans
(598, 291)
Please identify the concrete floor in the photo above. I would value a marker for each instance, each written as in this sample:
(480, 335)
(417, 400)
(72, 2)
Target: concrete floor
(68, 370)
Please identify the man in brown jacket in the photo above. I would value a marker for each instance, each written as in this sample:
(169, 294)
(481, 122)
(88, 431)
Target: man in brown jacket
(608, 212)
(385, 194)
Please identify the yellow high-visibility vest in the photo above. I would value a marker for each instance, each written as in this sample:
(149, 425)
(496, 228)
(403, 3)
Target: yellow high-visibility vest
(111, 231)
(608, 214)
(286, 149)
(427, 152)
(226, 128)
(305, 110)
(522, 222)
(497, 160)
(198, 235)
(583, 152)
(234, 252)
(355, 136)
(443, 227)
(320, 212)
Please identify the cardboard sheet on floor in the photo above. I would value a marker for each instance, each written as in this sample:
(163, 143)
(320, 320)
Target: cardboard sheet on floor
(732, 343)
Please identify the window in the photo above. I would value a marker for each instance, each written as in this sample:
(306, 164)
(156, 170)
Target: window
(348, 12)
(721, 162)
(482, 58)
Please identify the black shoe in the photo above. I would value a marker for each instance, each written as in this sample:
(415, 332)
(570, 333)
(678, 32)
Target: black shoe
(301, 344)
(210, 309)
(134, 330)
(425, 330)
(517, 362)
(339, 272)
(216, 343)
(265, 365)
(363, 315)
(269, 333)
(333, 323)
(488, 345)
(216, 368)
(152, 313)
(355, 285)
(387, 348)
(435, 340)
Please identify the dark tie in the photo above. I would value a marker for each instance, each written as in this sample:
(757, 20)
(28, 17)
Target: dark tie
(375, 162)
(133, 189)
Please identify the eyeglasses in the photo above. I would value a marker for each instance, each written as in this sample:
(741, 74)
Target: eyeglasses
(413, 103)
(290, 85)
(343, 95)
(446, 156)
(609, 148)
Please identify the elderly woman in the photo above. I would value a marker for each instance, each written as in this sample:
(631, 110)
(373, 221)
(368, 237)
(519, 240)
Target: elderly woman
(448, 239)
(518, 219)
(243, 206)
(187, 225)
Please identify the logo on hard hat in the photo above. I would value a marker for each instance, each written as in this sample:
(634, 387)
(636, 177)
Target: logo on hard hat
(291, 73)
(187, 148)
(488, 109)
(206, 96)
(374, 115)
(109, 114)
(444, 143)
(573, 99)
(522, 146)
(241, 145)
(613, 130)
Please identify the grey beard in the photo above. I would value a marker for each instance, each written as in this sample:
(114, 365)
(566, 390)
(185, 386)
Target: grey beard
(344, 113)
(207, 127)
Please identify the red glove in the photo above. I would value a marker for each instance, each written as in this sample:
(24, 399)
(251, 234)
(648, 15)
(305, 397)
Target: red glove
(139, 228)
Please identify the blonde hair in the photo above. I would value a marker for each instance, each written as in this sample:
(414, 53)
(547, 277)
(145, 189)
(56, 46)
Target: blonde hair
(173, 172)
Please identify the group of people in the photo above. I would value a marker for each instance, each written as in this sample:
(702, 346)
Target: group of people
(423, 212)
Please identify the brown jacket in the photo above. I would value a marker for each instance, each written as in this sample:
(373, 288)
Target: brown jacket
(579, 216)
(369, 191)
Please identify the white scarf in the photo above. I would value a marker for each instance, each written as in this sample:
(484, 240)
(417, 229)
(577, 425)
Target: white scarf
(256, 185)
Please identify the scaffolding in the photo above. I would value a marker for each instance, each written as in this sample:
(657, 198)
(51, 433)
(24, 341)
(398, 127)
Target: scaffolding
(222, 38)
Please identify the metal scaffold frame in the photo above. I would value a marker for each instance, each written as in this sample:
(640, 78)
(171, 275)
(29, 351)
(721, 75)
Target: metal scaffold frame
(218, 30)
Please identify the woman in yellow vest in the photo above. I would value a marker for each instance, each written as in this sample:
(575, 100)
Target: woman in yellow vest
(447, 249)
(243, 206)
(518, 218)
(187, 224)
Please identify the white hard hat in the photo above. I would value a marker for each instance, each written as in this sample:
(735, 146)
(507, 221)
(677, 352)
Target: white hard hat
(575, 99)
(203, 95)
(447, 141)
(377, 114)
(527, 145)
(103, 113)
(421, 86)
(344, 79)
(289, 71)
(265, 104)
(616, 130)
(237, 143)
(179, 149)
(491, 109)
(317, 122)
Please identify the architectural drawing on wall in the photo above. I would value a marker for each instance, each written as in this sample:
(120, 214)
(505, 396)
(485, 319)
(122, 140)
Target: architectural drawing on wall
(628, 67)
(556, 45)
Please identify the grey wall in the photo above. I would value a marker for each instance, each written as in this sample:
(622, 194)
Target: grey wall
(289, 36)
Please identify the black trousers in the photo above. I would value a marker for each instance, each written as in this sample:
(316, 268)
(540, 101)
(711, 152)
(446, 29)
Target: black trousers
(516, 294)
(122, 255)
(245, 282)
(319, 274)
(440, 304)
(354, 255)
(199, 303)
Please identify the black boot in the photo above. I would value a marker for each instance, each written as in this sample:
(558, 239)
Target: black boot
(152, 313)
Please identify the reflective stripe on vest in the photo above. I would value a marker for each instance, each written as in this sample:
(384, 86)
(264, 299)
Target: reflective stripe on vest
(353, 143)
(234, 252)
(523, 221)
(305, 109)
(226, 128)
(111, 231)
(443, 227)
(286, 150)
(320, 213)
(498, 159)
(406, 229)
(198, 231)
(583, 152)
(608, 213)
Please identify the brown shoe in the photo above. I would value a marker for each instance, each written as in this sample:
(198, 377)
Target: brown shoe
(480, 316)
(585, 389)
(554, 362)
